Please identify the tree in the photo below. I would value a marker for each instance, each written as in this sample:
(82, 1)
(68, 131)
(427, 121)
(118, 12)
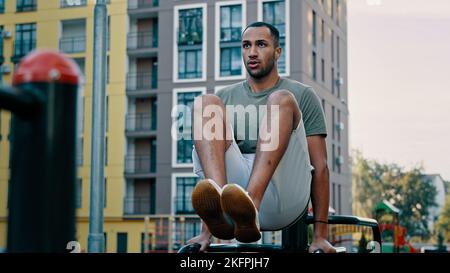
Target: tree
(373, 182)
(443, 223)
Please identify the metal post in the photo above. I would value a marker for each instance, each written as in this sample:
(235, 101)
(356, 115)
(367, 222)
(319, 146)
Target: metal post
(96, 238)
(41, 213)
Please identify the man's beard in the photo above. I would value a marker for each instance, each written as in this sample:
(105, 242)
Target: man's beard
(264, 71)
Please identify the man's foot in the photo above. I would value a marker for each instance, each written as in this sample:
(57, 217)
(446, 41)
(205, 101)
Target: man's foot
(239, 206)
(206, 202)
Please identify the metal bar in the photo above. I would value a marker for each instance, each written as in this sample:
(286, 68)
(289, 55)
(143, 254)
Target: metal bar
(96, 238)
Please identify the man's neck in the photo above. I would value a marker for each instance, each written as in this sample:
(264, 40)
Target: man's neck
(259, 85)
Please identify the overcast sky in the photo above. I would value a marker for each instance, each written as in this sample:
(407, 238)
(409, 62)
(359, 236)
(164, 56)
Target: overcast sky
(399, 81)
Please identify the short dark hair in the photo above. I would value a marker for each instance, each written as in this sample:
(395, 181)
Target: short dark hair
(273, 31)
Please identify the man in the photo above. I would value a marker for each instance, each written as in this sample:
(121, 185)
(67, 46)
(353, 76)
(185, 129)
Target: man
(273, 171)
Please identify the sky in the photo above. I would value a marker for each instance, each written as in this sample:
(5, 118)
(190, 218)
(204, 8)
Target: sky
(399, 82)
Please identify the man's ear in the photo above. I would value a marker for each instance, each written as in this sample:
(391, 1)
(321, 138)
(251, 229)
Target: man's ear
(278, 52)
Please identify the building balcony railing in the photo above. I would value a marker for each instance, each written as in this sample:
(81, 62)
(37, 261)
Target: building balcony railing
(142, 4)
(23, 6)
(142, 81)
(72, 3)
(142, 40)
(140, 123)
(140, 164)
(22, 48)
(73, 44)
(138, 206)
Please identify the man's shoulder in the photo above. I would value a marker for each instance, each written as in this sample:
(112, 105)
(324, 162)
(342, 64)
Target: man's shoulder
(228, 90)
(296, 86)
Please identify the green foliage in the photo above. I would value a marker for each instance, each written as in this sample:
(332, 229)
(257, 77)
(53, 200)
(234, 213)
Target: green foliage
(374, 182)
(443, 223)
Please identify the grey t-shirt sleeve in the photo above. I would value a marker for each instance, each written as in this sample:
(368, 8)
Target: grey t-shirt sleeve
(313, 116)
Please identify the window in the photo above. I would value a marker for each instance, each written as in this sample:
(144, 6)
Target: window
(339, 200)
(105, 192)
(183, 201)
(323, 106)
(78, 193)
(338, 11)
(314, 29)
(323, 69)
(333, 157)
(332, 46)
(337, 51)
(72, 3)
(190, 43)
(2, 6)
(106, 151)
(73, 36)
(332, 80)
(333, 120)
(80, 151)
(122, 242)
(340, 160)
(339, 123)
(26, 5)
(182, 148)
(107, 114)
(25, 41)
(333, 195)
(314, 65)
(231, 23)
(274, 12)
(322, 31)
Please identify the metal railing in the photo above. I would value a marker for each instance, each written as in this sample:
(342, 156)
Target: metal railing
(72, 3)
(72, 44)
(138, 206)
(142, 81)
(140, 164)
(140, 123)
(142, 4)
(142, 40)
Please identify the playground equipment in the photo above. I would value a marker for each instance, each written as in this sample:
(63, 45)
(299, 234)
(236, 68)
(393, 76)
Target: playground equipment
(43, 130)
(294, 237)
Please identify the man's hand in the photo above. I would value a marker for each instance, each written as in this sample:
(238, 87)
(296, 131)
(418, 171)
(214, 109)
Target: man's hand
(204, 239)
(321, 243)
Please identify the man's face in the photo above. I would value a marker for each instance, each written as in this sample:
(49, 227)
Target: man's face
(258, 51)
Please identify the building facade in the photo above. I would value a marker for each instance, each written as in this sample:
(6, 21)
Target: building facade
(162, 54)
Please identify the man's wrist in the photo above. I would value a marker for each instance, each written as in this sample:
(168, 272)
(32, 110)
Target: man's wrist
(320, 230)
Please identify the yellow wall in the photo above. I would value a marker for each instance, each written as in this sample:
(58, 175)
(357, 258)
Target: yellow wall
(47, 19)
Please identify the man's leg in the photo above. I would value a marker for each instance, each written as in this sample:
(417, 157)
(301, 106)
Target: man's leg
(266, 161)
(235, 202)
(211, 152)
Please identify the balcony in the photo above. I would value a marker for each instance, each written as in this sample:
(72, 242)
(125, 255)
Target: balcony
(138, 206)
(141, 123)
(73, 44)
(26, 5)
(142, 43)
(141, 82)
(143, 8)
(140, 166)
(72, 3)
(22, 48)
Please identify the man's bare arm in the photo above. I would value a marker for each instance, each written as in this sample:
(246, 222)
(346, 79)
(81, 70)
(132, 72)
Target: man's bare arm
(320, 190)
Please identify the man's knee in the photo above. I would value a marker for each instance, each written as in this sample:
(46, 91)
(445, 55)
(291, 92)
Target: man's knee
(207, 99)
(282, 97)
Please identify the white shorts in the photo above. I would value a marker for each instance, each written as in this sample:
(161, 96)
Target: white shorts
(288, 192)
